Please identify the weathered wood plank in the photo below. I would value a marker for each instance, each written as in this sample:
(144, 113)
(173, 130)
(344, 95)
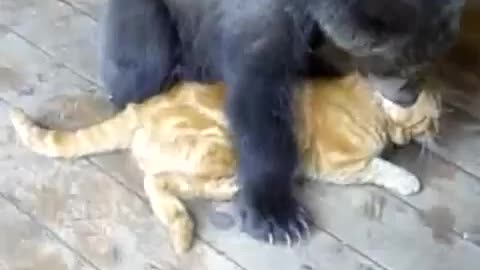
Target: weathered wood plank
(31, 76)
(26, 245)
(92, 7)
(450, 196)
(386, 229)
(57, 29)
(109, 225)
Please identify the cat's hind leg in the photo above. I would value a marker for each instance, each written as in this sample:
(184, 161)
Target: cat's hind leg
(165, 191)
(171, 211)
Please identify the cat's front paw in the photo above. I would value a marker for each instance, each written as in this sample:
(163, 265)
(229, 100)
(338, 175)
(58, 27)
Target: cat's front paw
(405, 185)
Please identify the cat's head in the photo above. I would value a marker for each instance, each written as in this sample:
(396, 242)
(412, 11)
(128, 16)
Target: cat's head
(418, 121)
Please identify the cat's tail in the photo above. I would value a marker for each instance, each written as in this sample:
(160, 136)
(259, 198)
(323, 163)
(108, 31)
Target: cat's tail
(109, 135)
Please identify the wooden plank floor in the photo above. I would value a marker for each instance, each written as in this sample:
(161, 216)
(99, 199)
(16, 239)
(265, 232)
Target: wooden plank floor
(92, 213)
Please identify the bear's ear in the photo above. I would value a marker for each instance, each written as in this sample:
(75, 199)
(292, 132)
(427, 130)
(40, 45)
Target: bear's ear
(454, 9)
(456, 4)
(397, 16)
(401, 16)
(445, 8)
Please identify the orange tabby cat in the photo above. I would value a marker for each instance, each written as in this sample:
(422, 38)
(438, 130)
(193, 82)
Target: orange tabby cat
(181, 141)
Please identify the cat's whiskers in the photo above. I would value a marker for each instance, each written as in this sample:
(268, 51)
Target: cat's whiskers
(427, 144)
